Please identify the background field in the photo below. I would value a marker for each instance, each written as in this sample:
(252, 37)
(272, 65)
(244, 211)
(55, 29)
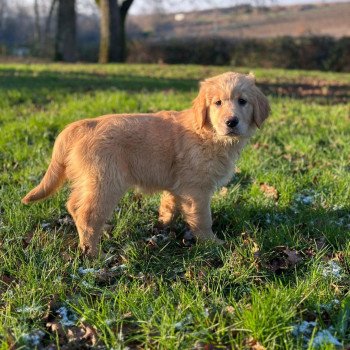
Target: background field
(285, 217)
(247, 21)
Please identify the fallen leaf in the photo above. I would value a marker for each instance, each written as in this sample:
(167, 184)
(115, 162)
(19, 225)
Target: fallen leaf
(253, 344)
(223, 191)
(230, 309)
(282, 258)
(288, 157)
(293, 256)
(80, 336)
(269, 191)
(6, 279)
(156, 240)
(27, 239)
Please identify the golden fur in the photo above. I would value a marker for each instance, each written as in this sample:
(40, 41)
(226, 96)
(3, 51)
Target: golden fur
(186, 154)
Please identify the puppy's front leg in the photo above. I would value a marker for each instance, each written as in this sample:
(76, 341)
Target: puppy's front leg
(196, 211)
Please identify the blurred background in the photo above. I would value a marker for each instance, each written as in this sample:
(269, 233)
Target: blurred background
(286, 33)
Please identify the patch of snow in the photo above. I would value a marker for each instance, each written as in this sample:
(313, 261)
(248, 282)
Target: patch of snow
(343, 221)
(274, 218)
(329, 307)
(109, 322)
(332, 269)
(68, 318)
(87, 285)
(305, 198)
(322, 337)
(325, 337)
(28, 309)
(45, 225)
(83, 271)
(33, 339)
(305, 328)
(184, 322)
(118, 267)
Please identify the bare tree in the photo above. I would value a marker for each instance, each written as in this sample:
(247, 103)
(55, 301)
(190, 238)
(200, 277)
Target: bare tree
(65, 45)
(2, 14)
(37, 34)
(112, 30)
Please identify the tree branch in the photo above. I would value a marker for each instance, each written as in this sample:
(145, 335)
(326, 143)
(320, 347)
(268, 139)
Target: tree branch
(124, 8)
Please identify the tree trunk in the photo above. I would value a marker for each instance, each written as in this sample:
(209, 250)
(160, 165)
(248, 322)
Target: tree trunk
(47, 31)
(37, 36)
(104, 31)
(112, 30)
(65, 46)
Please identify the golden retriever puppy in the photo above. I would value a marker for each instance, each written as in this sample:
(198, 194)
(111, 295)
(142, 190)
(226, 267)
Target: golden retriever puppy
(186, 154)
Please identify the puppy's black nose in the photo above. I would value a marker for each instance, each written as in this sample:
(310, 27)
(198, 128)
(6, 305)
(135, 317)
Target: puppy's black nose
(233, 122)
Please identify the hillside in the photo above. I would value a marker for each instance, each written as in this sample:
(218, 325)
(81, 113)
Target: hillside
(246, 22)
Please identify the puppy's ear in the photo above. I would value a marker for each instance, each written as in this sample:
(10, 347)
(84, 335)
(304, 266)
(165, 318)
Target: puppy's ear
(251, 76)
(261, 107)
(199, 106)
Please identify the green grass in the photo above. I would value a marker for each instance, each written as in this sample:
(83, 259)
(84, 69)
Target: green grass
(169, 296)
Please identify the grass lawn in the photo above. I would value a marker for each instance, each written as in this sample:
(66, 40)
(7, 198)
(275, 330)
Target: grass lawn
(282, 281)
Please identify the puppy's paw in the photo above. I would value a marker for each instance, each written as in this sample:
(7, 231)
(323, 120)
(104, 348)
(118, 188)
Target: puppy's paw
(218, 241)
(210, 237)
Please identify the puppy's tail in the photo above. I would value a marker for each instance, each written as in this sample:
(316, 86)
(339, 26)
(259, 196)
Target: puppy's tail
(53, 179)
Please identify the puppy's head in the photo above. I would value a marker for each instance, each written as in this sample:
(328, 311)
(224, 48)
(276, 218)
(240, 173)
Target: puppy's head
(231, 105)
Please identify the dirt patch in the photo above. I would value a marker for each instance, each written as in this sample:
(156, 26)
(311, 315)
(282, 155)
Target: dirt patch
(319, 90)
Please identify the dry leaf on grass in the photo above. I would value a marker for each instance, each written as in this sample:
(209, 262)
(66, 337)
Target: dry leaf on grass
(223, 191)
(79, 336)
(6, 279)
(269, 191)
(27, 239)
(253, 344)
(293, 256)
(282, 258)
(230, 309)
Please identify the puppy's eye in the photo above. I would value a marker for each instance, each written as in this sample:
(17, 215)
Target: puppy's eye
(242, 102)
(218, 103)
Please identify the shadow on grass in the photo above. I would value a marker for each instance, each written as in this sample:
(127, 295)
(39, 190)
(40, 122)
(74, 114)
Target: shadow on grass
(299, 227)
(81, 81)
(84, 81)
(296, 225)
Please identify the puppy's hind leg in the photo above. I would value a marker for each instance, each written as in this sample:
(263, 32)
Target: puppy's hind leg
(73, 203)
(94, 208)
